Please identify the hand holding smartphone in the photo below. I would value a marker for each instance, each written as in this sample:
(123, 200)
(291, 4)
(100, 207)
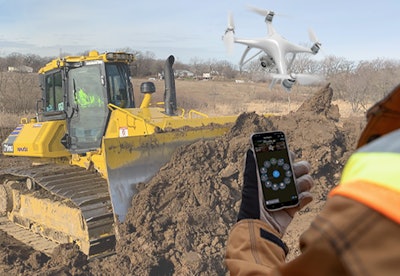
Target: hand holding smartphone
(274, 170)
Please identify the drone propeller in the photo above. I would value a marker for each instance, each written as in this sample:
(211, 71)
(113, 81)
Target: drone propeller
(307, 79)
(312, 36)
(269, 15)
(228, 37)
(303, 79)
(262, 12)
(317, 45)
(231, 24)
(229, 40)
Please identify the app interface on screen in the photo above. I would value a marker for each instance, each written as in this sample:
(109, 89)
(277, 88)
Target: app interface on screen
(274, 169)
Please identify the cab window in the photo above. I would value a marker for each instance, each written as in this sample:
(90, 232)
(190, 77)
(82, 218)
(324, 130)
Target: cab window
(54, 92)
(118, 84)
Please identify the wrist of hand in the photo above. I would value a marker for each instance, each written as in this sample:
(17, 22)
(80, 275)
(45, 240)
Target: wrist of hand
(279, 220)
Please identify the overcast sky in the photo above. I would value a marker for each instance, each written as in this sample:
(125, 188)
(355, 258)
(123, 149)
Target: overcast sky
(355, 30)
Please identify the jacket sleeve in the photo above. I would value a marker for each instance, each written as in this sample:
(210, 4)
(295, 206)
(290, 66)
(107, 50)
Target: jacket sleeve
(249, 253)
(347, 237)
(254, 248)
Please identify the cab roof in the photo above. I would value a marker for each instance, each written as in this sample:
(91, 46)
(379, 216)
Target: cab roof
(93, 55)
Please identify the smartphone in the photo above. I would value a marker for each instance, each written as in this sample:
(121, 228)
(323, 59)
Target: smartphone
(274, 170)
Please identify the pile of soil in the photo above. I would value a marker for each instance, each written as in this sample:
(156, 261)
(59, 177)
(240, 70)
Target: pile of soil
(180, 220)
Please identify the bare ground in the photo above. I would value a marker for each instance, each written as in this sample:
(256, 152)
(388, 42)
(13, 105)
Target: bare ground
(180, 220)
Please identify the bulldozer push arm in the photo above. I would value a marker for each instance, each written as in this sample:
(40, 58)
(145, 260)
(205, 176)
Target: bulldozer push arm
(91, 146)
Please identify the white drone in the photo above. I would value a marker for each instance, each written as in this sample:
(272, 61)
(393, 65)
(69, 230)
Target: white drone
(279, 53)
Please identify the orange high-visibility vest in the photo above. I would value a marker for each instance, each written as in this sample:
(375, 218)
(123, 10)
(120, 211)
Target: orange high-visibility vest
(372, 176)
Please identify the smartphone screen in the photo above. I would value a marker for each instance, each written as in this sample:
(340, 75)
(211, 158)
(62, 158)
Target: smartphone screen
(274, 170)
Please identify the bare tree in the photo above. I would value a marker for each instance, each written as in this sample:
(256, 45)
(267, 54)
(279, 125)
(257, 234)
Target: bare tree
(198, 67)
(18, 92)
(333, 65)
(225, 69)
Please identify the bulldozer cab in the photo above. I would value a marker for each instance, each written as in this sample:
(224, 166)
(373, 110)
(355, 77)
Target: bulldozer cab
(79, 91)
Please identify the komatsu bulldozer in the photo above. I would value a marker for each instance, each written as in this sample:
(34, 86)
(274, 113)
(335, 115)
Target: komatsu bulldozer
(90, 146)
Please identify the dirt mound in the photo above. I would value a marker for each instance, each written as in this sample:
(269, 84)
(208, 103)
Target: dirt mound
(180, 220)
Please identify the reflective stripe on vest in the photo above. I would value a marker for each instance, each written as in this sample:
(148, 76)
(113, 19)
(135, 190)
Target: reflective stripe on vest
(372, 176)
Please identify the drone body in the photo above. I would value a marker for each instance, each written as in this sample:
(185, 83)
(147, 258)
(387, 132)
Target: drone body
(278, 53)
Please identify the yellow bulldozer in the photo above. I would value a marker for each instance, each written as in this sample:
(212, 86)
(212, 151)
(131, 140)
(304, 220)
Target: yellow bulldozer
(90, 146)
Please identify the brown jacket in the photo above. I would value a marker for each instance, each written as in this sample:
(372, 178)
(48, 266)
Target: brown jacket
(347, 238)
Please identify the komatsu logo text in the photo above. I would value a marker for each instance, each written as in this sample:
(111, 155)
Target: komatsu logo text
(23, 149)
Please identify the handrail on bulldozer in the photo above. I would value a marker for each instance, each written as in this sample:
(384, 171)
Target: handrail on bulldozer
(114, 107)
(183, 111)
(192, 111)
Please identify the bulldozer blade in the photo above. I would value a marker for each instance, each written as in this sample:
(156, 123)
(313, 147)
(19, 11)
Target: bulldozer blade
(132, 160)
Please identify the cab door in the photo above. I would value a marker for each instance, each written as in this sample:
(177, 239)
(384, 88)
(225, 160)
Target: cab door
(88, 110)
(53, 96)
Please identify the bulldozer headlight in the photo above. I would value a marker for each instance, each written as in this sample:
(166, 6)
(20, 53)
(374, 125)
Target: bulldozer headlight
(120, 56)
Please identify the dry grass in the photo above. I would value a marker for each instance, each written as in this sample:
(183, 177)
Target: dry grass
(219, 98)
(228, 97)
(346, 110)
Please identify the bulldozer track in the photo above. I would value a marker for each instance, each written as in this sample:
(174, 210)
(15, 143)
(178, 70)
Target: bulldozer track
(86, 190)
(27, 237)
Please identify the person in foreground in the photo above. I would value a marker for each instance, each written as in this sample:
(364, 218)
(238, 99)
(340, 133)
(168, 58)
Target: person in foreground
(358, 230)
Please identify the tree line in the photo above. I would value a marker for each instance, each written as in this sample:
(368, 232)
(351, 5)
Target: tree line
(359, 82)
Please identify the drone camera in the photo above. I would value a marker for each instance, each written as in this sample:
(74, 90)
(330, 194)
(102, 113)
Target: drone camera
(267, 61)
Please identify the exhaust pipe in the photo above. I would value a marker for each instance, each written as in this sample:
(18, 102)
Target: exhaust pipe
(170, 92)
